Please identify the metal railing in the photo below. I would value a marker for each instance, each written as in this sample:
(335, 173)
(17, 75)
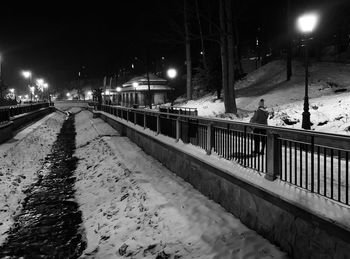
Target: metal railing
(10, 111)
(318, 162)
(179, 110)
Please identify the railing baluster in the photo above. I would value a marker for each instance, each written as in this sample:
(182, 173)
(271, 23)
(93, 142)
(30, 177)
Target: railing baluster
(295, 163)
(285, 159)
(332, 176)
(318, 170)
(306, 167)
(347, 177)
(301, 165)
(325, 171)
(339, 175)
(290, 161)
(312, 163)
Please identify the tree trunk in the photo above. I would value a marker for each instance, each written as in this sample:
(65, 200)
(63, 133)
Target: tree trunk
(289, 44)
(238, 55)
(232, 108)
(201, 36)
(223, 51)
(188, 52)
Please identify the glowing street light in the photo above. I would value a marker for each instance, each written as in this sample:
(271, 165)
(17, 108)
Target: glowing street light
(171, 73)
(307, 22)
(119, 89)
(135, 85)
(28, 75)
(306, 25)
(68, 95)
(40, 82)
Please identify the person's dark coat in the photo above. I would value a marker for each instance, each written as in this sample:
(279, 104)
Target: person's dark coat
(260, 116)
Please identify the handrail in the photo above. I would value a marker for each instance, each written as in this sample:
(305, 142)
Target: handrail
(274, 129)
(316, 161)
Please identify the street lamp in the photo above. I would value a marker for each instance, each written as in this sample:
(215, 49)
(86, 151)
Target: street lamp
(46, 86)
(135, 85)
(28, 75)
(171, 73)
(32, 89)
(118, 91)
(306, 25)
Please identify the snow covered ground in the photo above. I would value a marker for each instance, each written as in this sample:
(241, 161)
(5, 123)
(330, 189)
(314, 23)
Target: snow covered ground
(20, 159)
(329, 92)
(134, 207)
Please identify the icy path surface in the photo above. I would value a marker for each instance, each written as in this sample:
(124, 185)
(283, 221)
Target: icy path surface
(134, 207)
(20, 160)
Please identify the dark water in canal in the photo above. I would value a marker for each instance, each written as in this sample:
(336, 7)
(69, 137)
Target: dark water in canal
(48, 226)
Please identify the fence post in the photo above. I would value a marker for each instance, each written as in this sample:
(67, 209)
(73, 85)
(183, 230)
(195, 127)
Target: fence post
(210, 138)
(177, 129)
(273, 156)
(127, 114)
(134, 117)
(144, 120)
(158, 124)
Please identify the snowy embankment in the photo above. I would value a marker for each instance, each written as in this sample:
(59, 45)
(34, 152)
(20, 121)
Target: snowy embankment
(134, 207)
(329, 92)
(21, 158)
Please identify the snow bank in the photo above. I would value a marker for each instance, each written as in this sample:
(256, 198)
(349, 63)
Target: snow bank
(329, 92)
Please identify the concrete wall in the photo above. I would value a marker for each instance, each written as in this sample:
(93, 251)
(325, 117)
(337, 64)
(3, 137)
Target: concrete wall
(297, 231)
(6, 130)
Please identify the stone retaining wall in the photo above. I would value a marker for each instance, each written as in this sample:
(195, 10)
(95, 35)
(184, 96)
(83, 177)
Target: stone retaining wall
(6, 129)
(300, 233)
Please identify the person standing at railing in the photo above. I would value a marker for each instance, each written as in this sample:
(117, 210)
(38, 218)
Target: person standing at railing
(260, 117)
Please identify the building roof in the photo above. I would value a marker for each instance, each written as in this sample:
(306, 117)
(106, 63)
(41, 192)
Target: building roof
(143, 79)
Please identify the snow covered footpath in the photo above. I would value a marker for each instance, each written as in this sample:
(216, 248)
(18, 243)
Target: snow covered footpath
(132, 206)
(20, 159)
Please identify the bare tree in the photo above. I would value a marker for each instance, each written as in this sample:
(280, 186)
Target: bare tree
(289, 43)
(231, 99)
(227, 55)
(201, 37)
(188, 51)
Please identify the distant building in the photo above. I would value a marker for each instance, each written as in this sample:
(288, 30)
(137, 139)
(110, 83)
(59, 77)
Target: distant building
(135, 91)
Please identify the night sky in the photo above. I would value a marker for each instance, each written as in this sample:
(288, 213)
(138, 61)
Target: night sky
(55, 40)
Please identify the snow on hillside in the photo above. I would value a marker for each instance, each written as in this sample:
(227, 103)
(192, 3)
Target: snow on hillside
(329, 85)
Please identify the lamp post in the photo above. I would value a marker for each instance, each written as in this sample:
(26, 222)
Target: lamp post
(171, 73)
(45, 86)
(118, 92)
(135, 85)
(28, 75)
(40, 83)
(306, 25)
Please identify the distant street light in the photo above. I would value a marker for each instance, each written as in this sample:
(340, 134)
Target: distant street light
(306, 25)
(32, 89)
(171, 73)
(46, 86)
(118, 91)
(28, 75)
(68, 95)
(135, 85)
